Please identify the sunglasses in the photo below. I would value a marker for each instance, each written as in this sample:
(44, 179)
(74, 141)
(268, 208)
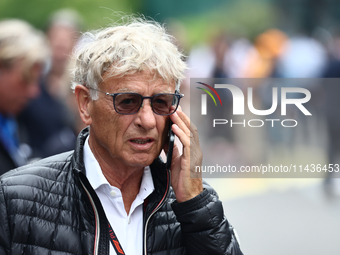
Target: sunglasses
(130, 103)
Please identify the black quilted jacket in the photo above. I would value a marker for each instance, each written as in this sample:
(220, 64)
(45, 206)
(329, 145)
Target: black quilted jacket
(49, 207)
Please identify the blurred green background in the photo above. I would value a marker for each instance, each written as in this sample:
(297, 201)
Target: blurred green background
(201, 19)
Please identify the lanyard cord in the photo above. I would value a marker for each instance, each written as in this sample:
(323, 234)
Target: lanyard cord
(115, 242)
(113, 237)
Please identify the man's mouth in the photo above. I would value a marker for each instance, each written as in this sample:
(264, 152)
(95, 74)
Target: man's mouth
(141, 141)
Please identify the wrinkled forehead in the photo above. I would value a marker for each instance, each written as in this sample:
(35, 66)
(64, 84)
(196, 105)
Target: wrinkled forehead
(135, 78)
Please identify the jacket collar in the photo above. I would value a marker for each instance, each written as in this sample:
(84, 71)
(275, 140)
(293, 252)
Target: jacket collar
(78, 155)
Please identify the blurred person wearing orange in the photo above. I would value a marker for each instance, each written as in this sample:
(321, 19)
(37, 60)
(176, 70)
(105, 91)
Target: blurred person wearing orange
(268, 47)
(23, 52)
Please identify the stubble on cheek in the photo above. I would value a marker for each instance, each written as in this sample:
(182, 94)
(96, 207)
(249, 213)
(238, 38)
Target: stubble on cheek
(106, 126)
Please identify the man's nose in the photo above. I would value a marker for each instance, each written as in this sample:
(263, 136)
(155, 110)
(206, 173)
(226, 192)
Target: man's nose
(147, 118)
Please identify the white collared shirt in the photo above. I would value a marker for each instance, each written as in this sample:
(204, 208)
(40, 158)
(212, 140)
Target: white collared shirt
(128, 227)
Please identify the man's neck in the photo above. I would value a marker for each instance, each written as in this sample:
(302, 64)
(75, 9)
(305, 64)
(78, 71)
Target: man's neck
(126, 179)
(127, 182)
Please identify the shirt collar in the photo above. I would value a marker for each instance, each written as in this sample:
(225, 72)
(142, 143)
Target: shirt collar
(96, 177)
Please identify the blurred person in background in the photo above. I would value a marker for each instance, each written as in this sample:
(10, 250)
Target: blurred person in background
(23, 53)
(303, 57)
(113, 194)
(331, 110)
(210, 61)
(51, 120)
(269, 46)
(220, 48)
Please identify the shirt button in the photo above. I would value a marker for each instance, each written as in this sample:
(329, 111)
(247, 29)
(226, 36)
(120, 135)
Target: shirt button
(129, 220)
(113, 193)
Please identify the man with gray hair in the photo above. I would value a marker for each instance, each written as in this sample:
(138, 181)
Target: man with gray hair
(113, 194)
(23, 51)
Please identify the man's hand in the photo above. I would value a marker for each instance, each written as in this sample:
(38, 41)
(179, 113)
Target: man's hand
(185, 181)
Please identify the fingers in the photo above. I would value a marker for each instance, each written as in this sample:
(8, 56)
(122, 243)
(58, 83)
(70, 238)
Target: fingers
(188, 135)
(188, 123)
(183, 123)
(183, 166)
(183, 116)
(180, 129)
(175, 153)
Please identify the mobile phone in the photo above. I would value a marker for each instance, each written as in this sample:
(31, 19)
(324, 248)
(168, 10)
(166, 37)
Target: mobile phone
(171, 146)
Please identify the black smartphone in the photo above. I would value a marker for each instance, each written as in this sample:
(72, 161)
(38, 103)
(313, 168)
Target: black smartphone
(171, 146)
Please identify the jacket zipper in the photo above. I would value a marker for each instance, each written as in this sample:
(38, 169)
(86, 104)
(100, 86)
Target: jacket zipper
(96, 238)
(161, 203)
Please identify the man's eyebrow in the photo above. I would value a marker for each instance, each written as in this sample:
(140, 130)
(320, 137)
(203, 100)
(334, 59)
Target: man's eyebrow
(166, 91)
(125, 89)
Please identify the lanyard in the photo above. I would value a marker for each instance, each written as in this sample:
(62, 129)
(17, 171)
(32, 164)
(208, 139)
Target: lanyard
(115, 242)
(113, 237)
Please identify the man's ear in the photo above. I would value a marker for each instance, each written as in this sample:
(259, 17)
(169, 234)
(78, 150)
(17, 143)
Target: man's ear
(84, 103)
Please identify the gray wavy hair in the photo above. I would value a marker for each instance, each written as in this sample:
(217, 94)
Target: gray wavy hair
(137, 45)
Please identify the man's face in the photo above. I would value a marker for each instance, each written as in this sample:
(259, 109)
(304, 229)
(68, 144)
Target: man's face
(62, 41)
(16, 88)
(128, 140)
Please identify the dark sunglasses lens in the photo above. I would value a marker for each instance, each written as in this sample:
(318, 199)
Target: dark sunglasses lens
(128, 103)
(165, 104)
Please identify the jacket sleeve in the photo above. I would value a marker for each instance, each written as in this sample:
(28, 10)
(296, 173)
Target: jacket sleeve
(204, 227)
(4, 227)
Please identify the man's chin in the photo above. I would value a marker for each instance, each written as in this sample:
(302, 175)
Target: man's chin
(140, 161)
